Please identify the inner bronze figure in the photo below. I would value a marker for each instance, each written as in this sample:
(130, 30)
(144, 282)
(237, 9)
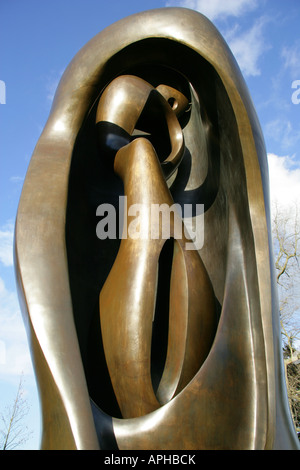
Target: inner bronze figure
(128, 104)
(141, 147)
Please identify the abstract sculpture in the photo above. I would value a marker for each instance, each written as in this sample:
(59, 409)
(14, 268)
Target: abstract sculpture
(152, 342)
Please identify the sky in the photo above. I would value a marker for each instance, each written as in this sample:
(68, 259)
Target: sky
(39, 38)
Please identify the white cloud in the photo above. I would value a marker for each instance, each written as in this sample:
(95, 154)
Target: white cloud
(217, 9)
(284, 180)
(283, 133)
(291, 56)
(248, 46)
(6, 244)
(14, 353)
(15, 358)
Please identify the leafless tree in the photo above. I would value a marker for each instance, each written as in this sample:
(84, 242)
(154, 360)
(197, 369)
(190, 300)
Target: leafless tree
(14, 432)
(286, 241)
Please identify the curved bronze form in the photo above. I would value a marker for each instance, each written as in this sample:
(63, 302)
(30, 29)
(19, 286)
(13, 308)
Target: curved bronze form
(183, 349)
(126, 319)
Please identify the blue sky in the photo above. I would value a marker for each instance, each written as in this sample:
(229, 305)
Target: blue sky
(38, 39)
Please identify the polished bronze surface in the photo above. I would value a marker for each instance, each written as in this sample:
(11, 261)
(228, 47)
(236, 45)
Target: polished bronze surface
(126, 319)
(185, 349)
(123, 101)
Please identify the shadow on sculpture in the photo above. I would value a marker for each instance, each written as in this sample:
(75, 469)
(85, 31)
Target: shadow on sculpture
(152, 342)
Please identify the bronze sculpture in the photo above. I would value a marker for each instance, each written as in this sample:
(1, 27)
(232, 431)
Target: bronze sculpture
(210, 359)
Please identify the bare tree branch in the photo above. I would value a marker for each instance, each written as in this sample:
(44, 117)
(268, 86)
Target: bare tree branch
(14, 433)
(286, 241)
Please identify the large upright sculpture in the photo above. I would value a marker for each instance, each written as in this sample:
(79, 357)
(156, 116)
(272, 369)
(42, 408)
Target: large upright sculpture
(143, 343)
